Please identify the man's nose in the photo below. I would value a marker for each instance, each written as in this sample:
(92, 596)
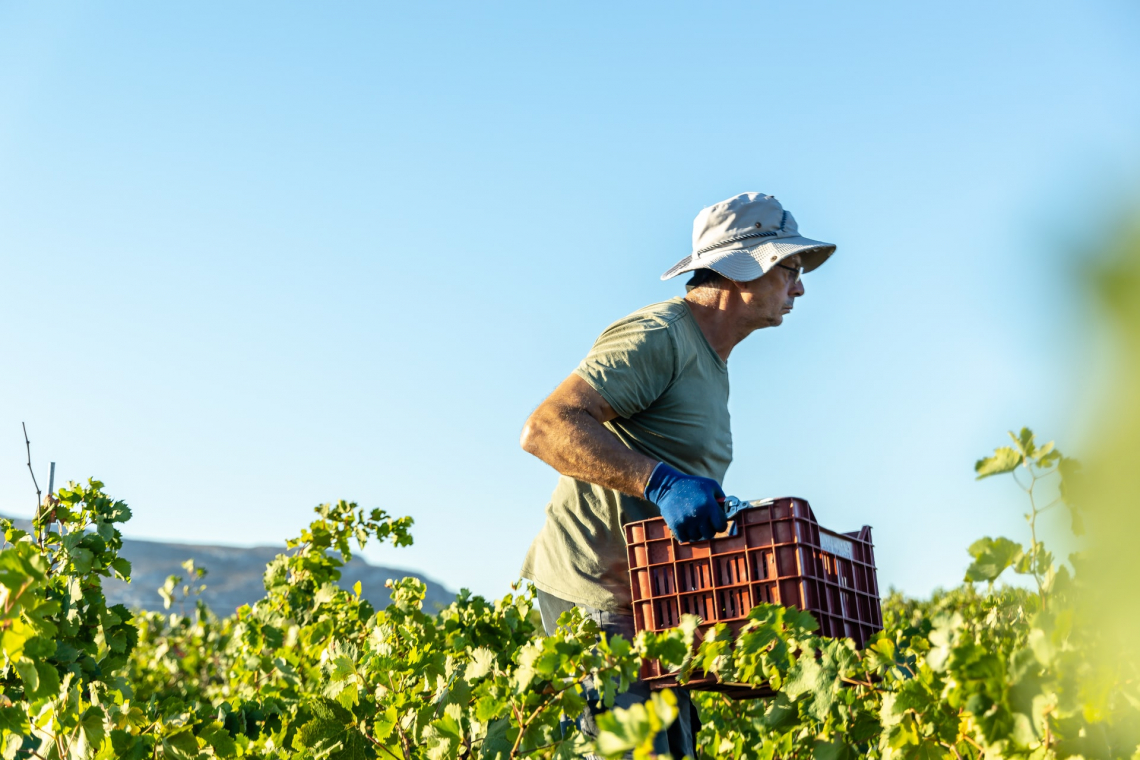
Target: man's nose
(797, 289)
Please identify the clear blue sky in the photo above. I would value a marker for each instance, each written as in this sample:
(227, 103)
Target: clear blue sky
(257, 256)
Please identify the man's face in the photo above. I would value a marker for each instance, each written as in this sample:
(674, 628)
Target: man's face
(772, 296)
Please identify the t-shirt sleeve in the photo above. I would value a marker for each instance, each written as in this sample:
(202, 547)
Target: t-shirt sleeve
(630, 365)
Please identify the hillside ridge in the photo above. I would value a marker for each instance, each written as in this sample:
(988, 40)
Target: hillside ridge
(234, 575)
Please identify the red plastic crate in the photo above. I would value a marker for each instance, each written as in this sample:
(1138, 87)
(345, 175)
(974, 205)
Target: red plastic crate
(774, 551)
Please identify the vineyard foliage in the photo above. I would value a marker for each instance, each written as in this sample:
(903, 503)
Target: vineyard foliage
(313, 671)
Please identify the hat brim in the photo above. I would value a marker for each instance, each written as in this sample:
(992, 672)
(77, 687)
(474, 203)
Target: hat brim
(746, 264)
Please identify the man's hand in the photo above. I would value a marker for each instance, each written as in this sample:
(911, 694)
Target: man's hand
(688, 503)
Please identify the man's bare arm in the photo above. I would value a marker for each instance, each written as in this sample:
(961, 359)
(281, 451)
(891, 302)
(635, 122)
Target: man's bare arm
(567, 433)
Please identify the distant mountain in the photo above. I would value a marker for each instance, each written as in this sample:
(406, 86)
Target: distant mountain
(234, 575)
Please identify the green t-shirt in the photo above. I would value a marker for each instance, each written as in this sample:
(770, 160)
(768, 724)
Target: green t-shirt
(670, 391)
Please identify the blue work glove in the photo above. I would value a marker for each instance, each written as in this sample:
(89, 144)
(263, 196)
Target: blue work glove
(688, 503)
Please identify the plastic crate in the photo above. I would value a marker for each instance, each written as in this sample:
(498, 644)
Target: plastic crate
(774, 551)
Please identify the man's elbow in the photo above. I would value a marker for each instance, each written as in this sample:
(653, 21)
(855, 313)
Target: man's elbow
(532, 434)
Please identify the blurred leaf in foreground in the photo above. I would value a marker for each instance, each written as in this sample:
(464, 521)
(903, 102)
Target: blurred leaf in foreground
(1109, 490)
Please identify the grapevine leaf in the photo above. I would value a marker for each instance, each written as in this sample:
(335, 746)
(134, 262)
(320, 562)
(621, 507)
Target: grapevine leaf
(385, 723)
(215, 735)
(327, 709)
(943, 639)
(925, 750)
(14, 720)
(1024, 442)
(834, 751)
(81, 560)
(118, 512)
(332, 732)
(444, 734)
(482, 662)
(181, 746)
(131, 747)
(122, 568)
(526, 670)
(354, 747)
(316, 732)
(28, 674)
(634, 728)
(804, 677)
(15, 638)
(1070, 472)
(489, 708)
(815, 677)
(991, 557)
(500, 740)
(1004, 460)
(91, 732)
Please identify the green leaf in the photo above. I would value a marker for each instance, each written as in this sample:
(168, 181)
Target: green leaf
(15, 638)
(624, 730)
(500, 740)
(217, 737)
(130, 747)
(316, 733)
(332, 731)
(385, 723)
(91, 732)
(991, 557)
(327, 709)
(1024, 442)
(1046, 456)
(1070, 471)
(181, 746)
(13, 719)
(781, 713)
(489, 708)
(122, 568)
(81, 560)
(482, 662)
(11, 745)
(805, 676)
(1004, 460)
(444, 734)
(835, 751)
(28, 674)
(353, 746)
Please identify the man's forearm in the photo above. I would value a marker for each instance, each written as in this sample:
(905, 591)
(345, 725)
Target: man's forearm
(576, 444)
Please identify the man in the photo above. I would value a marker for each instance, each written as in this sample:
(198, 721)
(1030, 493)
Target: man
(641, 427)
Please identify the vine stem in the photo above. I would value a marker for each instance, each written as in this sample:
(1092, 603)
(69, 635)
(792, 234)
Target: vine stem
(1033, 534)
(28, 445)
(405, 746)
(854, 682)
(39, 494)
(524, 722)
(381, 746)
(537, 749)
(522, 729)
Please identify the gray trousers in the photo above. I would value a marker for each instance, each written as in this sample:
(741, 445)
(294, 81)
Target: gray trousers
(677, 741)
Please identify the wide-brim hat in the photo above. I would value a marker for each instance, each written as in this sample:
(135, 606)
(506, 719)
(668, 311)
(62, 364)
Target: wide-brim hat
(745, 236)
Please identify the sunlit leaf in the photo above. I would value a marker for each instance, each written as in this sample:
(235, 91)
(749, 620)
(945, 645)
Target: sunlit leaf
(1004, 460)
(991, 557)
